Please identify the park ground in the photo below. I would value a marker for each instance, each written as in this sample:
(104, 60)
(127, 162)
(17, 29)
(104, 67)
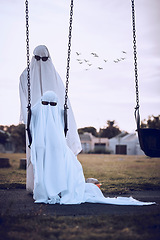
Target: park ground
(120, 175)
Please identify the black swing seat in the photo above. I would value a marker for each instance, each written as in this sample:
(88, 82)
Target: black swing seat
(149, 140)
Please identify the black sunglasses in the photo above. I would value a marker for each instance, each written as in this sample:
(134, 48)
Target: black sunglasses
(51, 103)
(44, 59)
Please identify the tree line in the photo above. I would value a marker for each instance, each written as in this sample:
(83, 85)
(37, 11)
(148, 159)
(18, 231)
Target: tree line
(16, 133)
(111, 130)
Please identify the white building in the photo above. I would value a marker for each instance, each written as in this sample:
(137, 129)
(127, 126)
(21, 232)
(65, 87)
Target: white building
(91, 143)
(125, 143)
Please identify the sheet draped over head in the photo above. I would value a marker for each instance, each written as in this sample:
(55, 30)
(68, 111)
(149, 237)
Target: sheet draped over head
(44, 77)
(58, 175)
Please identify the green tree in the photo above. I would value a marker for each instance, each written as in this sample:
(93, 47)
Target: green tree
(17, 136)
(89, 130)
(151, 122)
(110, 131)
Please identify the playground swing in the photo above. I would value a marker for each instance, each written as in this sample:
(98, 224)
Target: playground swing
(149, 138)
(28, 73)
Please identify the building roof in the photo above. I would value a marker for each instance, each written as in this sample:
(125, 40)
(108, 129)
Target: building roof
(120, 135)
(130, 136)
(126, 137)
(2, 131)
(86, 137)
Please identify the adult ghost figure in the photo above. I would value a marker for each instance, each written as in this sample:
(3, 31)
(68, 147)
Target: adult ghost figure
(58, 175)
(44, 77)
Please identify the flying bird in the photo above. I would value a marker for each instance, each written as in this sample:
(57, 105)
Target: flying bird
(100, 68)
(89, 64)
(95, 54)
(78, 53)
(78, 59)
(86, 60)
(80, 62)
(105, 60)
(123, 58)
(124, 52)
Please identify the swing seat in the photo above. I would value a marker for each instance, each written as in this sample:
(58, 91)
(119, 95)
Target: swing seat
(149, 140)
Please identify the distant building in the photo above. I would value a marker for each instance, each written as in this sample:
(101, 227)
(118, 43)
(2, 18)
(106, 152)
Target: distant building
(125, 143)
(93, 144)
(8, 146)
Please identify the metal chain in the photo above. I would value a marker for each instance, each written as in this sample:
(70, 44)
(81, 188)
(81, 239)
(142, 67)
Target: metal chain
(69, 53)
(135, 56)
(28, 61)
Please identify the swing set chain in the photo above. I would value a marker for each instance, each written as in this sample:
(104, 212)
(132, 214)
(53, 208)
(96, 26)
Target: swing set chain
(28, 61)
(135, 56)
(69, 53)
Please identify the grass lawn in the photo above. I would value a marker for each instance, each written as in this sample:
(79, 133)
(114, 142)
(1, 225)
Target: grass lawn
(122, 173)
(12, 177)
(117, 173)
(142, 227)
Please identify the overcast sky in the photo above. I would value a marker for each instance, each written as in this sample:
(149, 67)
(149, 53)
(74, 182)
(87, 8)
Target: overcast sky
(99, 26)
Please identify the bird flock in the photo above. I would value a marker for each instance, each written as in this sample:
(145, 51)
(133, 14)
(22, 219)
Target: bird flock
(87, 64)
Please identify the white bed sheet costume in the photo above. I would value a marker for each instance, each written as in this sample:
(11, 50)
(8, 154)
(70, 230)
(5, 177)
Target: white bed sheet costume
(44, 77)
(58, 175)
